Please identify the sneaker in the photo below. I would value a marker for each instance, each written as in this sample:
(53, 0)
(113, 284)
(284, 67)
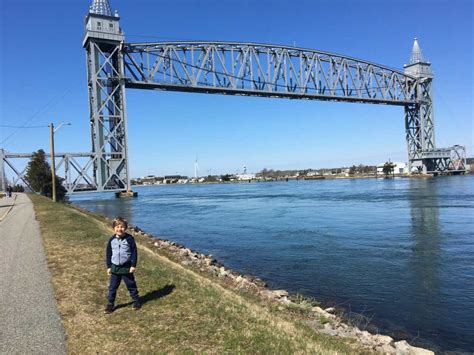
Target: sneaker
(109, 309)
(137, 305)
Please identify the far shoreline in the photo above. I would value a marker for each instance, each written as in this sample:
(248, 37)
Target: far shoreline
(288, 179)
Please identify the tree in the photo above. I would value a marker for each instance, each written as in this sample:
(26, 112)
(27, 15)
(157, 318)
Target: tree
(388, 168)
(210, 178)
(18, 188)
(226, 177)
(38, 175)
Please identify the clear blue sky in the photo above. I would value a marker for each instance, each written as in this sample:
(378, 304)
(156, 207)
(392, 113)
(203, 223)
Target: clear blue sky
(43, 80)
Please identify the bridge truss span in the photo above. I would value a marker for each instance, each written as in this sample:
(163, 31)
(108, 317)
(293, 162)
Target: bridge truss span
(263, 70)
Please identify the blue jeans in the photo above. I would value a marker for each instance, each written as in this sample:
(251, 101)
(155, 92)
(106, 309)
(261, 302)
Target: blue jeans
(114, 284)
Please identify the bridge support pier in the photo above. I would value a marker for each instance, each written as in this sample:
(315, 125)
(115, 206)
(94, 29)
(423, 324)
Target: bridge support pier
(125, 194)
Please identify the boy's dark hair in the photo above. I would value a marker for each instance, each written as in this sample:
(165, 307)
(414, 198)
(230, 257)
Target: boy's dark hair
(119, 220)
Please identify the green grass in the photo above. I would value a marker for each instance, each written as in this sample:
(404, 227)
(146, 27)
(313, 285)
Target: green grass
(183, 311)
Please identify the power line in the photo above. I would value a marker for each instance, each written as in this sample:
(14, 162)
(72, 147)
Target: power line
(7, 126)
(50, 104)
(157, 37)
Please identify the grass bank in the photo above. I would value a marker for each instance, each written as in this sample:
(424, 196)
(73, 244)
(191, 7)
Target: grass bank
(183, 311)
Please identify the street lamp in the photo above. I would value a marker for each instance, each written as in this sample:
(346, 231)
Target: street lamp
(53, 130)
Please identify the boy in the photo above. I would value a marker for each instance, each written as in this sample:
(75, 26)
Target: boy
(121, 260)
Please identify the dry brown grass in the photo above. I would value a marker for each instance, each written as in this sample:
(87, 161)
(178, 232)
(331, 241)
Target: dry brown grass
(182, 310)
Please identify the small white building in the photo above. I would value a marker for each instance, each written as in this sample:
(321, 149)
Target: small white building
(242, 177)
(398, 168)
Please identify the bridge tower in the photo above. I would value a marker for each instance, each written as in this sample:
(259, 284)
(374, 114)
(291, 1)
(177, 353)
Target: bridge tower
(423, 156)
(419, 120)
(108, 118)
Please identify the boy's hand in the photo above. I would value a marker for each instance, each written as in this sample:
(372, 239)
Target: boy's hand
(133, 269)
(109, 271)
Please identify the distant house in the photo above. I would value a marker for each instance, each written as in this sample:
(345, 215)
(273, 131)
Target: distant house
(245, 176)
(147, 180)
(173, 179)
(398, 168)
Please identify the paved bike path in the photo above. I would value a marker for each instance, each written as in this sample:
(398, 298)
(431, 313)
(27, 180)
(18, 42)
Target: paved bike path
(30, 322)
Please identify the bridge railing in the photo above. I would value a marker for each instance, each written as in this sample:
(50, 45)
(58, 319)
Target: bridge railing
(263, 70)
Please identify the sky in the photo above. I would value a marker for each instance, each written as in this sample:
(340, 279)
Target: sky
(43, 80)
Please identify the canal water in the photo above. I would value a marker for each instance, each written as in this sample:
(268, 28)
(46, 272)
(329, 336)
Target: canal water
(398, 251)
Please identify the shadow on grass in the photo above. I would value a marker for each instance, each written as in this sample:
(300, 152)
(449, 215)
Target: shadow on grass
(150, 296)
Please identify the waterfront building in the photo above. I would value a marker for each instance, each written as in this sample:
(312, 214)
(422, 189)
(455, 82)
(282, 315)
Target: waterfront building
(246, 176)
(398, 168)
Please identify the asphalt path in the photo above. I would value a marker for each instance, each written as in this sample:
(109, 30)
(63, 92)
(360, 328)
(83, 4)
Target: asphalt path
(29, 319)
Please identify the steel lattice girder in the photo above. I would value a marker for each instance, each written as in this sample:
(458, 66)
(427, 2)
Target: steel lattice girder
(277, 71)
(419, 128)
(75, 168)
(108, 123)
(446, 160)
(264, 70)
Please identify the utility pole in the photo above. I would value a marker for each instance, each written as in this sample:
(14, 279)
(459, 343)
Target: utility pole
(52, 130)
(53, 166)
(3, 179)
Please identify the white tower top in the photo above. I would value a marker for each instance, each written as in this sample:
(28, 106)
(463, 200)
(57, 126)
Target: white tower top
(101, 24)
(418, 66)
(101, 7)
(416, 54)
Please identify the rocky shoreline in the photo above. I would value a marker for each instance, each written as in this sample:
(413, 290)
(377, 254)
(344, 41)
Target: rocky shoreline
(322, 320)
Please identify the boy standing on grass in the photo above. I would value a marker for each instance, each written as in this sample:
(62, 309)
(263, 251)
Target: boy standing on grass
(121, 259)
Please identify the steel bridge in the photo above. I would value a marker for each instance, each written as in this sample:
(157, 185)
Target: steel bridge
(245, 69)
